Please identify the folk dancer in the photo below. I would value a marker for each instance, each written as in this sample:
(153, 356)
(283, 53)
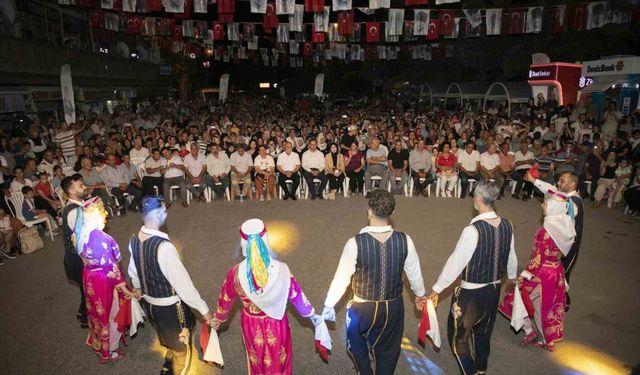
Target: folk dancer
(263, 285)
(373, 262)
(484, 253)
(543, 278)
(160, 278)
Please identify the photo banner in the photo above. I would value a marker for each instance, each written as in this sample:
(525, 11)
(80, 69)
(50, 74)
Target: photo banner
(224, 88)
(66, 86)
(319, 85)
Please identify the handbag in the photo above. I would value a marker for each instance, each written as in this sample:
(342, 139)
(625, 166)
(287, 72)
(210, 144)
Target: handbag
(30, 240)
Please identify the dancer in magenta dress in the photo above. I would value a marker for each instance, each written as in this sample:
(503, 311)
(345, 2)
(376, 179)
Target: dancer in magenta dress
(104, 285)
(263, 285)
(543, 279)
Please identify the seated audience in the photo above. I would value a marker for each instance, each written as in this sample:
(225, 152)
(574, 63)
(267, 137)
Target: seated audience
(421, 168)
(334, 169)
(446, 170)
(288, 165)
(265, 168)
(398, 163)
(241, 168)
(313, 169)
(218, 167)
(469, 165)
(376, 165)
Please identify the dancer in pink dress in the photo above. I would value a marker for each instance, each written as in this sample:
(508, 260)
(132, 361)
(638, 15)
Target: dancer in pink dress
(543, 279)
(263, 285)
(104, 285)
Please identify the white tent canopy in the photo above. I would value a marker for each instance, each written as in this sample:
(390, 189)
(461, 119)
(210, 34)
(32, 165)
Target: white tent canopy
(509, 92)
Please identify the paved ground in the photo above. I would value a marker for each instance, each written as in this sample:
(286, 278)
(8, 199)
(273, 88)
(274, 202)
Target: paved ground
(40, 335)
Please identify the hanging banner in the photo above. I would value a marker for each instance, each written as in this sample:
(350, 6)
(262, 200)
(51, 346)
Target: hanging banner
(494, 21)
(68, 103)
(224, 88)
(319, 85)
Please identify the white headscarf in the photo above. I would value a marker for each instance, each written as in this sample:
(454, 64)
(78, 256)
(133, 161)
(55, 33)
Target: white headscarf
(272, 297)
(557, 222)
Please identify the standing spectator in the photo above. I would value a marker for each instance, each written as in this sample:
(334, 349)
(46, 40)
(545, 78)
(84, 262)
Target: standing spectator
(65, 140)
(30, 169)
(265, 169)
(354, 166)
(288, 165)
(241, 167)
(218, 167)
(446, 170)
(334, 168)
(313, 168)
(376, 164)
(195, 167)
(398, 165)
(154, 167)
(469, 165)
(607, 178)
(174, 174)
(421, 168)
(592, 170)
(611, 118)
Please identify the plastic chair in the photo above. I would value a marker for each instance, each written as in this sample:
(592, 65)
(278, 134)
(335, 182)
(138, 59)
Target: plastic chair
(17, 198)
(373, 180)
(143, 172)
(205, 192)
(456, 187)
(289, 183)
(412, 185)
(316, 181)
(405, 187)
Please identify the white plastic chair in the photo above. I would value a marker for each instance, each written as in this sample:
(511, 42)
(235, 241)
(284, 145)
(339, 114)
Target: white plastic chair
(227, 193)
(456, 188)
(412, 185)
(143, 172)
(205, 192)
(373, 180)
(405, 187)
(316, 181)
(290, 183)
(17, 198)
(345, 186)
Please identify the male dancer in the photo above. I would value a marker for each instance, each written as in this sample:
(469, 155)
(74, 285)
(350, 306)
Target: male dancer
(568, 184)
(373, 262)
(74, 188)
(484, 253)
(160, 278)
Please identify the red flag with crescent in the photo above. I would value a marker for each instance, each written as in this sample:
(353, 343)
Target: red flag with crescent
(447, 22)
(345, 22)
(316, 37)
(433, 32)
(307, 50)
(516, 21)
(579, 17)
(316, 6)
(176, 33)
(559, 19)
(218, 31)
(270, 20)
(373, 32)
(96, 19)
(153, 5)
(226, 6)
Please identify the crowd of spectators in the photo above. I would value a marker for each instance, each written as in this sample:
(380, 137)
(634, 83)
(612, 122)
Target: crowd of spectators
(197, 150)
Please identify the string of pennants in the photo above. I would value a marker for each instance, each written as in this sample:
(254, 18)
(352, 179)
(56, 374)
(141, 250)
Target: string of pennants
(283, 32)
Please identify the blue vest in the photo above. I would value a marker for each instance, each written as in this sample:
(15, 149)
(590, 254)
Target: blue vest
(379, 267)
(489, 260)
(145, 256)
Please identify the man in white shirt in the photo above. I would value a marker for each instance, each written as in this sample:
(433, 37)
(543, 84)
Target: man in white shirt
(375, 316)
(47, 163)
(241, 167)
(265, 168)
(154, 168)
(174, 174)
(490, 165)
(484, 254)
(195, 167)
(469, 165)
(288, 165)
(158, 276)
(138, 153)
(522, 161)
(313, 169)
(117, 184)
(218, 168)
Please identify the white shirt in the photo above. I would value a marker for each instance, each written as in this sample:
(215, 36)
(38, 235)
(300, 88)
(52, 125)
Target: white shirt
(464, 252)
(288, 162)
(489, 161)
(545, 187)
(264, 164)
(194, 166)
(469, 161)
(241, 163)
(173, 171)
(4, 163)
(152, 164)
(138, 156)
(217, 166)
(349, 258)
(173, 270)
(518, 156)
(313, 159)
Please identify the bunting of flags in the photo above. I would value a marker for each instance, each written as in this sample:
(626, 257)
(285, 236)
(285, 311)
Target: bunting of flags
(334, 34)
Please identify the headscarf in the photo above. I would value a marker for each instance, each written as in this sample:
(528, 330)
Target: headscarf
(334, 155)
(264, 280)
(90, 217)
(557, 221)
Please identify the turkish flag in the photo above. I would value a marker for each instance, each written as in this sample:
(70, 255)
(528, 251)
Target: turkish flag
(371, 53)
(117, 5)
(416, 2)
(345, 22)
(226, 6)
(516, 21)
(176, 33)
(307, 50)
(225, 18)
(316, 37)
(270, 20)
(96, 19)
(373, 32)
(316, 6)
(579, 19)
(434, 30)
(447, 22)
(560, 19)
(187, 10)
(132, 26)
(218, 30)
(153, 5)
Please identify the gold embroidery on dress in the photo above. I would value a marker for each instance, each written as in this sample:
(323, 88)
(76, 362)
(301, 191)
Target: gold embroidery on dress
(99, 308)
(220, 310)
(535, 262)
(252, 357)
(225, 297)
(267, 358)
(259, 339)
(294, 294)
(271, 338)
(283, 355)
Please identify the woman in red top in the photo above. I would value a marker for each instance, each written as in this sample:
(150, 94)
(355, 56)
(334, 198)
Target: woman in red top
(446, 169)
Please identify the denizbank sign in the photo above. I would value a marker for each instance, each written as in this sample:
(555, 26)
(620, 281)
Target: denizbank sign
(622, 65)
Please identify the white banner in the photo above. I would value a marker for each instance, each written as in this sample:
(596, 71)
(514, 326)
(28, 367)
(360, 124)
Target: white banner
(319, 85)
(66, 86)
(295, 20)
(494, 21)
(224, 88)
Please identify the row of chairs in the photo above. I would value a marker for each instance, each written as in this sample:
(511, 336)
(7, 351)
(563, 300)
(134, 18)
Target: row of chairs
(17, 199)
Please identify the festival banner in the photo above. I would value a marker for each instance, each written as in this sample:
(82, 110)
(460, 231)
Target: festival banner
(596, 15)
(339, 5)
(318, 87)
(579, 17)
(474, 16)
(224, 88)
(377, 4)
(174, 6)
(200, 6)
(106, 4)
(396, 22)
(559, 21)
(129, 5)
(494, 21)
(516, 21)
(295, 20)
(534, 20)
(420, 21)
(68, 103)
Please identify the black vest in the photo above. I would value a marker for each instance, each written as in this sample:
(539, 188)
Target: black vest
(72, 262)
(379, 267)
(578, 219)
(145, 256)
(489, 260)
